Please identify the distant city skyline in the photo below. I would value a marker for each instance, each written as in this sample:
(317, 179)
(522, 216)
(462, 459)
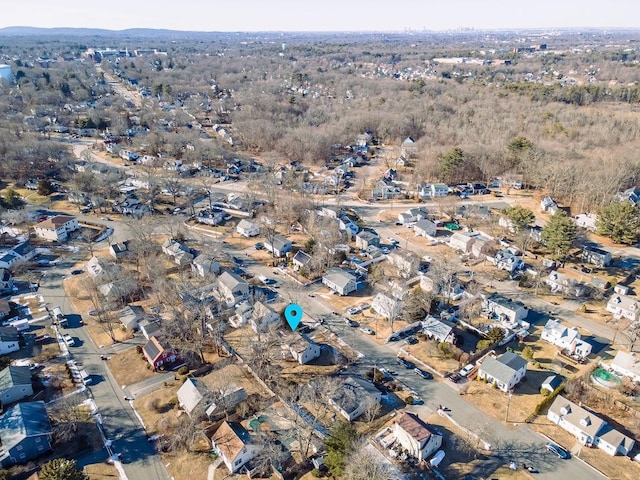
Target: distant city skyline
(327, 15)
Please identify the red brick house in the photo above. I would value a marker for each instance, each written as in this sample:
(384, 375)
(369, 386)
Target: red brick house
(158, 352)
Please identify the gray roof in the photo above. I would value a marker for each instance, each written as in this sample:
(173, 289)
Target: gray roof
(553, 381)
(352, 392)
(12, 376)
(339, 277)
(577, 416)
(231, 279)
(191, 394)
(436, 328)
(131, 315)
(302, 257)
(367, 235)
(25, 419)
(9, 334)
(503, 367)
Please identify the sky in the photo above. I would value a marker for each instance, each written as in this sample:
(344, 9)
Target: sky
(322, 15)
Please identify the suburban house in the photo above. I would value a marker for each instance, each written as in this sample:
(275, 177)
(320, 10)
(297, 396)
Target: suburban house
(301, 260)
(624, 306)
(453, 291)
(211, 216)
(278, 245)
(243, 312)
(506, 371)
(588, 428)
(353, 397)
(505, 308)
(97, 267)
(559, 282)
(178, 251)
(551, 383)
(408, 148)
(565, 338)
(416, 436)
(158, 352)
(300, 348)
(425, 228)
(588, 221)
(549, 205)
(233, 443)
(56, 229)
(386, 306)
(233, 287)
(204, 265)
(263, 317)
(367, 238)
(405, 261)
(15, 384)
(6, 280)
(191, 393)
(247, 228)
(413, 215)
(25, 433)
(119, 250)
(130, 316)
(225, 399)
(461, 242)
(149, 327)
(340, 281)
(627, 365)
(437, 190)
(506, 260)
(596, 256)
(438, 330)
(9, 340)
(16, 255)
(631, 195)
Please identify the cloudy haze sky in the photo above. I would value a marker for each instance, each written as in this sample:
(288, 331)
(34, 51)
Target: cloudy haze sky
(324, 15)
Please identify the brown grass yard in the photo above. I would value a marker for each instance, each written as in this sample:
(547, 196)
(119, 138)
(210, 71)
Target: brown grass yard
(129, 367)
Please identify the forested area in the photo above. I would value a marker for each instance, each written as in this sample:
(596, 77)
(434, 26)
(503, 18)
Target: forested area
(293, 97)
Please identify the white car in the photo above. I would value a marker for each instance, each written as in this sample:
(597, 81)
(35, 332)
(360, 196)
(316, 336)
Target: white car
(367, 330)
(466, 370)
(354, 310)
(68, 340)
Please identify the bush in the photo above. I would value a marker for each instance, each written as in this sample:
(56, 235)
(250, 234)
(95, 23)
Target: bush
(183, 370)
(173, 402)
(153, 404)
(139, 349)
(317, 473)
(409, 400)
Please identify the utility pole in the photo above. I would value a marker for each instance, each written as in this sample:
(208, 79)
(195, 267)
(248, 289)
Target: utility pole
(506, 418)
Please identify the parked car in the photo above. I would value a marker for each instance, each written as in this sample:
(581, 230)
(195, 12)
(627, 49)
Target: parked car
(466, 370)
(367, 330)
(259, 246)
(423, 373)
(68, 340)
(405, 363)
(454, 377)
(412, 340)
(354, 310)
(558, 450)
(351, 323)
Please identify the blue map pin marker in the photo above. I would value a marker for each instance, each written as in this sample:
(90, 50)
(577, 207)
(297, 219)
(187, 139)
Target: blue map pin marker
(293, 315)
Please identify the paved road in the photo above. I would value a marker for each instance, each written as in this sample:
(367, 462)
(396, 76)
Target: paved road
(120, 424)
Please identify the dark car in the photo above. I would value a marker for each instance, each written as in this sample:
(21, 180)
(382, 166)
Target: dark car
(558, 450)
(259, 246)
(412, 340)
(351, 323)
(454, 377)
(405, 363)
(423, 373)
(76, 272)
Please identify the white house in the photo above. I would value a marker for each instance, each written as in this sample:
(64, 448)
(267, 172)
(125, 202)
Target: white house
(301, 348)
(353, 397)
(588, 428)
(505, 308)
(232, 287)
(452, 291)
(301, 260)
(340, 281)
(9, 340)
(559, 282)
(178, 251)
(20, 253)
(506, 260)
(624, 306)
(247, 228)
(438, 190)
(205, 265)
(438, 330)
(405, 261)
(56, 229)
(461, 242)
(233, 444)
(416, 436)
(262, 317)
(119, 250)
(15, 384)
(588, 221)
(566, 338)
(549, 205)
(385, 306)
(97, 267)
(425, 228)
(506, 371)
(627, 365)
(278, 245)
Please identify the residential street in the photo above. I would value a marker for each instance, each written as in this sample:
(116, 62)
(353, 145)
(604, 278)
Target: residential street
(120, 424)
